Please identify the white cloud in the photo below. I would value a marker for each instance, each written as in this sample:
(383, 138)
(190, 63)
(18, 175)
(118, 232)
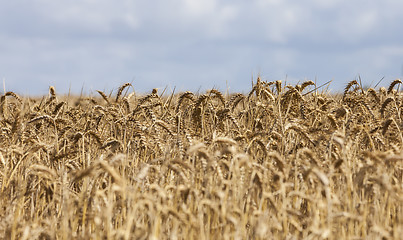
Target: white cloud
(380, 58)
(352, 26)
(195, 8)
(326, 4)
(278, 21)
(95, 16)
(173, 41)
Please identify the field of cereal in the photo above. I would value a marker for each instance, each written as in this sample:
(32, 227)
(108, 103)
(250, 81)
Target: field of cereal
(280, 162)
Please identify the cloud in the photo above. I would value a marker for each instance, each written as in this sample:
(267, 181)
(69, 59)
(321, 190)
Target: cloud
(191, 43)
(98, 16)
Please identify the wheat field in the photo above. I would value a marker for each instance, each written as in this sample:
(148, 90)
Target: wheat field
(280, 162)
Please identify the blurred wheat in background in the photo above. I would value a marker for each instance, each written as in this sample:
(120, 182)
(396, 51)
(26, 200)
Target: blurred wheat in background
(282, 162)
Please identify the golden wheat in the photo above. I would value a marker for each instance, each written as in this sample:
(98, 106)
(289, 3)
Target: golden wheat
(275, 163)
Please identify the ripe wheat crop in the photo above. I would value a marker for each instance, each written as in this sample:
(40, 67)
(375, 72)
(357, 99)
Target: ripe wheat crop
(279, 162)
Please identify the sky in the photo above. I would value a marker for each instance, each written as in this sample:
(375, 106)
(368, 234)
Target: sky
(89, 45)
